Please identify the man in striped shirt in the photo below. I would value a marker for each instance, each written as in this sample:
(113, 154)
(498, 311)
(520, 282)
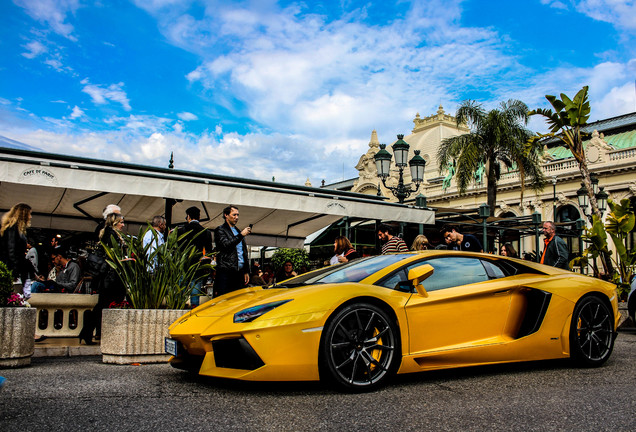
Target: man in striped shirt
(392, 243)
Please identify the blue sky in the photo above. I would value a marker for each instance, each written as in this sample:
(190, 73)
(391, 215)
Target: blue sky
(289, 89)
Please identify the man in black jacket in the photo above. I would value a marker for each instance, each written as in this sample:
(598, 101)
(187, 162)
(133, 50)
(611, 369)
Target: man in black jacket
(555, 252)
(232, 260)
(202, 243)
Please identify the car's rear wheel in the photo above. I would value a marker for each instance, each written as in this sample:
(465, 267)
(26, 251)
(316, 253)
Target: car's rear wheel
(360, 348)
(591, 332)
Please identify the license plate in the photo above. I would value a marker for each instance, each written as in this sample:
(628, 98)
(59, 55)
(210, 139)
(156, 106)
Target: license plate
(171, 346)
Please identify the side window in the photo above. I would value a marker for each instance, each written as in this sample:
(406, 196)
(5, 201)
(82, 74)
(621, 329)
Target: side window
(454, 271)
(493, 270)
(392, 281)
(449, 272)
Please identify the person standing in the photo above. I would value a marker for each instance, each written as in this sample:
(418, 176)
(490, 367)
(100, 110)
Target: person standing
(32, 254)
(555, 251)
(420, 243)
(343, 251)
(109, 209)
(111, 288)
(154, 236)
(458, 241)
(391, 242)
(508, 250)
(232, 261)
(13, 241)
(202, 241)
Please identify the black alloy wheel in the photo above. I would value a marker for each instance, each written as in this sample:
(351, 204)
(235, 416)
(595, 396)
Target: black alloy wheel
(591, 332)
(360, 348)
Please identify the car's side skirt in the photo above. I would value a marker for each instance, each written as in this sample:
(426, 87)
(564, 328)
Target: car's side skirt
(503, 352)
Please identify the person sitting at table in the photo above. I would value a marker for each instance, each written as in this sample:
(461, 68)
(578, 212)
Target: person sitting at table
(67, 277)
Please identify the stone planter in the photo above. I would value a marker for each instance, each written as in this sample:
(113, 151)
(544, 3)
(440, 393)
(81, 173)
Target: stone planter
(17, 329)
(136, 335)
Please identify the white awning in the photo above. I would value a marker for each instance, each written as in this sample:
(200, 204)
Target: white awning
(71, 193)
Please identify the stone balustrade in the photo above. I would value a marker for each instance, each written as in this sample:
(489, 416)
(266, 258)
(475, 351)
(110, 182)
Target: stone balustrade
(61, 315)
(617, 155)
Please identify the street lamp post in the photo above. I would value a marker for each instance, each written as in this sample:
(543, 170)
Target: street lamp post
(554, 182)
(401, 152)
(599, 193)
(584, 199)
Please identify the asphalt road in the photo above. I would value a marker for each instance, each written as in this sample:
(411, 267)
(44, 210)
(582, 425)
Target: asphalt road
(81, 393)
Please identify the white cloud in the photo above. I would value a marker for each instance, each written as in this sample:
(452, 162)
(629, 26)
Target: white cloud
(555, 4)
(303, 75)
(154, 147)
(617, 99)
(34, 48)
(102, 95)
(76, 113)
(52, 12)
(620, 13)
(187, 116)
(55, 64)
(310, 88)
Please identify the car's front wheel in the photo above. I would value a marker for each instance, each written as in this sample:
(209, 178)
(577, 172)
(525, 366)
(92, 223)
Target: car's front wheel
(360, 348)
(591, 332)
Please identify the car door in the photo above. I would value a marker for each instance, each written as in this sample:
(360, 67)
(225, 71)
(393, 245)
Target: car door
(464, 307)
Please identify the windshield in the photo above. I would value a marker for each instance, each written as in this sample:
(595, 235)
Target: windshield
(353, 271)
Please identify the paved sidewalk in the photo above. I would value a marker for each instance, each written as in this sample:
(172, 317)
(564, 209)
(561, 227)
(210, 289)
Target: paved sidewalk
(65, 347)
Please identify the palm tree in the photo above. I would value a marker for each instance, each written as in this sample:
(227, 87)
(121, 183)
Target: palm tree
(497, 137)
(565, 123)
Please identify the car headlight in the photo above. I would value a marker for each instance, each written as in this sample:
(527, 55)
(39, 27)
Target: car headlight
(250, 314)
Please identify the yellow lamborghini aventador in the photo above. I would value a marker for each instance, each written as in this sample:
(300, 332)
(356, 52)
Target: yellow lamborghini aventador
(357, 324)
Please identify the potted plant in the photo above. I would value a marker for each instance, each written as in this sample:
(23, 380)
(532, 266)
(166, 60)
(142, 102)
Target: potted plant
(17, 324)
(158, 287)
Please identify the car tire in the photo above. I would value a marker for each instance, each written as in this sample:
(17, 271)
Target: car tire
(360, 348)
(591, 332)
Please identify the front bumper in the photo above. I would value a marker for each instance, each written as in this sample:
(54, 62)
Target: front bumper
(282, 349)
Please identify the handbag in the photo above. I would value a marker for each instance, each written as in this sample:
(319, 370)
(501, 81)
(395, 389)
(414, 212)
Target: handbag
(96, 264)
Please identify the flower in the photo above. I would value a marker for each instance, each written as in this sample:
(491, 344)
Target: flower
(119, 305)
(8, 298)
(17, 300)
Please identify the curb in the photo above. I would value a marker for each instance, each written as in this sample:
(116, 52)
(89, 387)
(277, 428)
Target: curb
(64, 347)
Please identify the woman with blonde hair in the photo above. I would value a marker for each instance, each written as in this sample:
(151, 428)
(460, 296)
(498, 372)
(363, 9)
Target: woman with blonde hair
(420, 243)
(113, 227)
(344, 251)
(13, 241)
(111, 288)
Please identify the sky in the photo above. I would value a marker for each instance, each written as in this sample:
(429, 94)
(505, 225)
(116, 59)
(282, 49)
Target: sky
(290, 90)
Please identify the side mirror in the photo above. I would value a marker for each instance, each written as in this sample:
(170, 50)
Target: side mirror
(418, 275)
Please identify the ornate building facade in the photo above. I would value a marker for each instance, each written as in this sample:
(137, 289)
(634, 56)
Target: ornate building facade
(610, 152)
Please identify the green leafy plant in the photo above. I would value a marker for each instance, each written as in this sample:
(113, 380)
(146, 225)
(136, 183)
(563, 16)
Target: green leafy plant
(161, 277)
(6, 285)
(620, 222)
(596, 239)
(298, 257)
(566, 123)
